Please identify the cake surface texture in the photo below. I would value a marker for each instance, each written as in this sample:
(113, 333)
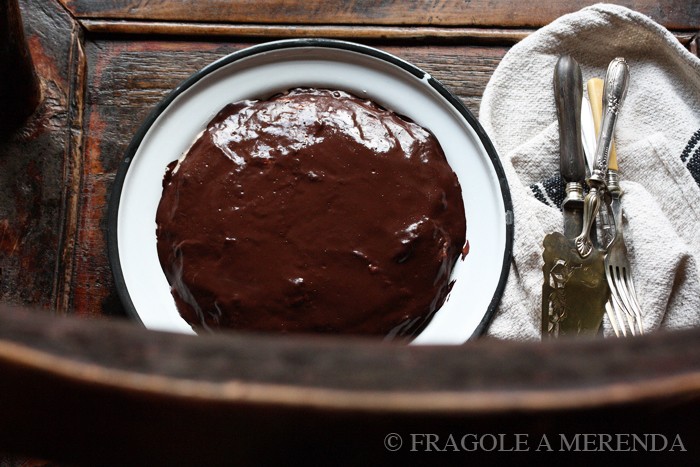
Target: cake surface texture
(313, 211)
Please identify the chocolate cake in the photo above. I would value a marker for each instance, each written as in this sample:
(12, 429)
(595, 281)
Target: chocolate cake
(311, 211)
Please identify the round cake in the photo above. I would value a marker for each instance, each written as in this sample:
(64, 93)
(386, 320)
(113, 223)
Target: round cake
(311, 211)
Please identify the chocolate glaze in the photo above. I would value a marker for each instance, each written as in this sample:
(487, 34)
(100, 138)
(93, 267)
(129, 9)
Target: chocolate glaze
(313, 211)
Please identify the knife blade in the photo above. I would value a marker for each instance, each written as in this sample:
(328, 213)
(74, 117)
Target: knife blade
(589, 133)
(574, 289)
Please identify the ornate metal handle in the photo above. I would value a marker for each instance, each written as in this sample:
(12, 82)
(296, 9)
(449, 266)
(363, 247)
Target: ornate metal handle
(614, 92)
(591, 204)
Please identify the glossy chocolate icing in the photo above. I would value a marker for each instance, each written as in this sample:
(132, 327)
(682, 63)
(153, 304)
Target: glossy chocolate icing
(312, 211)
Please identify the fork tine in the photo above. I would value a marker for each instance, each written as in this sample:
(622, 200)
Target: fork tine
(619, 308)
(623, 294)
(611, 316)
(624, 311)
(616, 304)
(635, 304)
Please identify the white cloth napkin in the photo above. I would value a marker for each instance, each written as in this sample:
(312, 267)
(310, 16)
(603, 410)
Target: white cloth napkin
(658, 145)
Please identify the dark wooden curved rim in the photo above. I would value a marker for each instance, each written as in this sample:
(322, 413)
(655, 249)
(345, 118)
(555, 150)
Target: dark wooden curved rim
(112, 218)
(484, 376)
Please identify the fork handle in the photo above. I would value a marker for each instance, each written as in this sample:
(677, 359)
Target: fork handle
(614, 93)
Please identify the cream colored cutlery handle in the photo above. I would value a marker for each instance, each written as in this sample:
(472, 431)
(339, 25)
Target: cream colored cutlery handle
(595, 97)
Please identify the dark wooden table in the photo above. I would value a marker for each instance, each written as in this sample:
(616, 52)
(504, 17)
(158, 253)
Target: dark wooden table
(91, 387)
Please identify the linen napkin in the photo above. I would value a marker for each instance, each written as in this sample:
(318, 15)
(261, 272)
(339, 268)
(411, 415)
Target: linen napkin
(658, 145)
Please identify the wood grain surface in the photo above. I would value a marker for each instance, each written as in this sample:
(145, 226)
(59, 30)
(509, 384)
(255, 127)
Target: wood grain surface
(675, 14)
(19, 90)
(35, 160)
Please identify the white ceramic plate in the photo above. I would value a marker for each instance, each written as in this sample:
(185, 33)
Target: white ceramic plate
(264, 70)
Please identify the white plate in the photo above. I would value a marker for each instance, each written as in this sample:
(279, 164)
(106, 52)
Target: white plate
(261, 71)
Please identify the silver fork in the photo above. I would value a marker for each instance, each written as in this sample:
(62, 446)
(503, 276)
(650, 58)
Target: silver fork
(623, 309)
(623, 296)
